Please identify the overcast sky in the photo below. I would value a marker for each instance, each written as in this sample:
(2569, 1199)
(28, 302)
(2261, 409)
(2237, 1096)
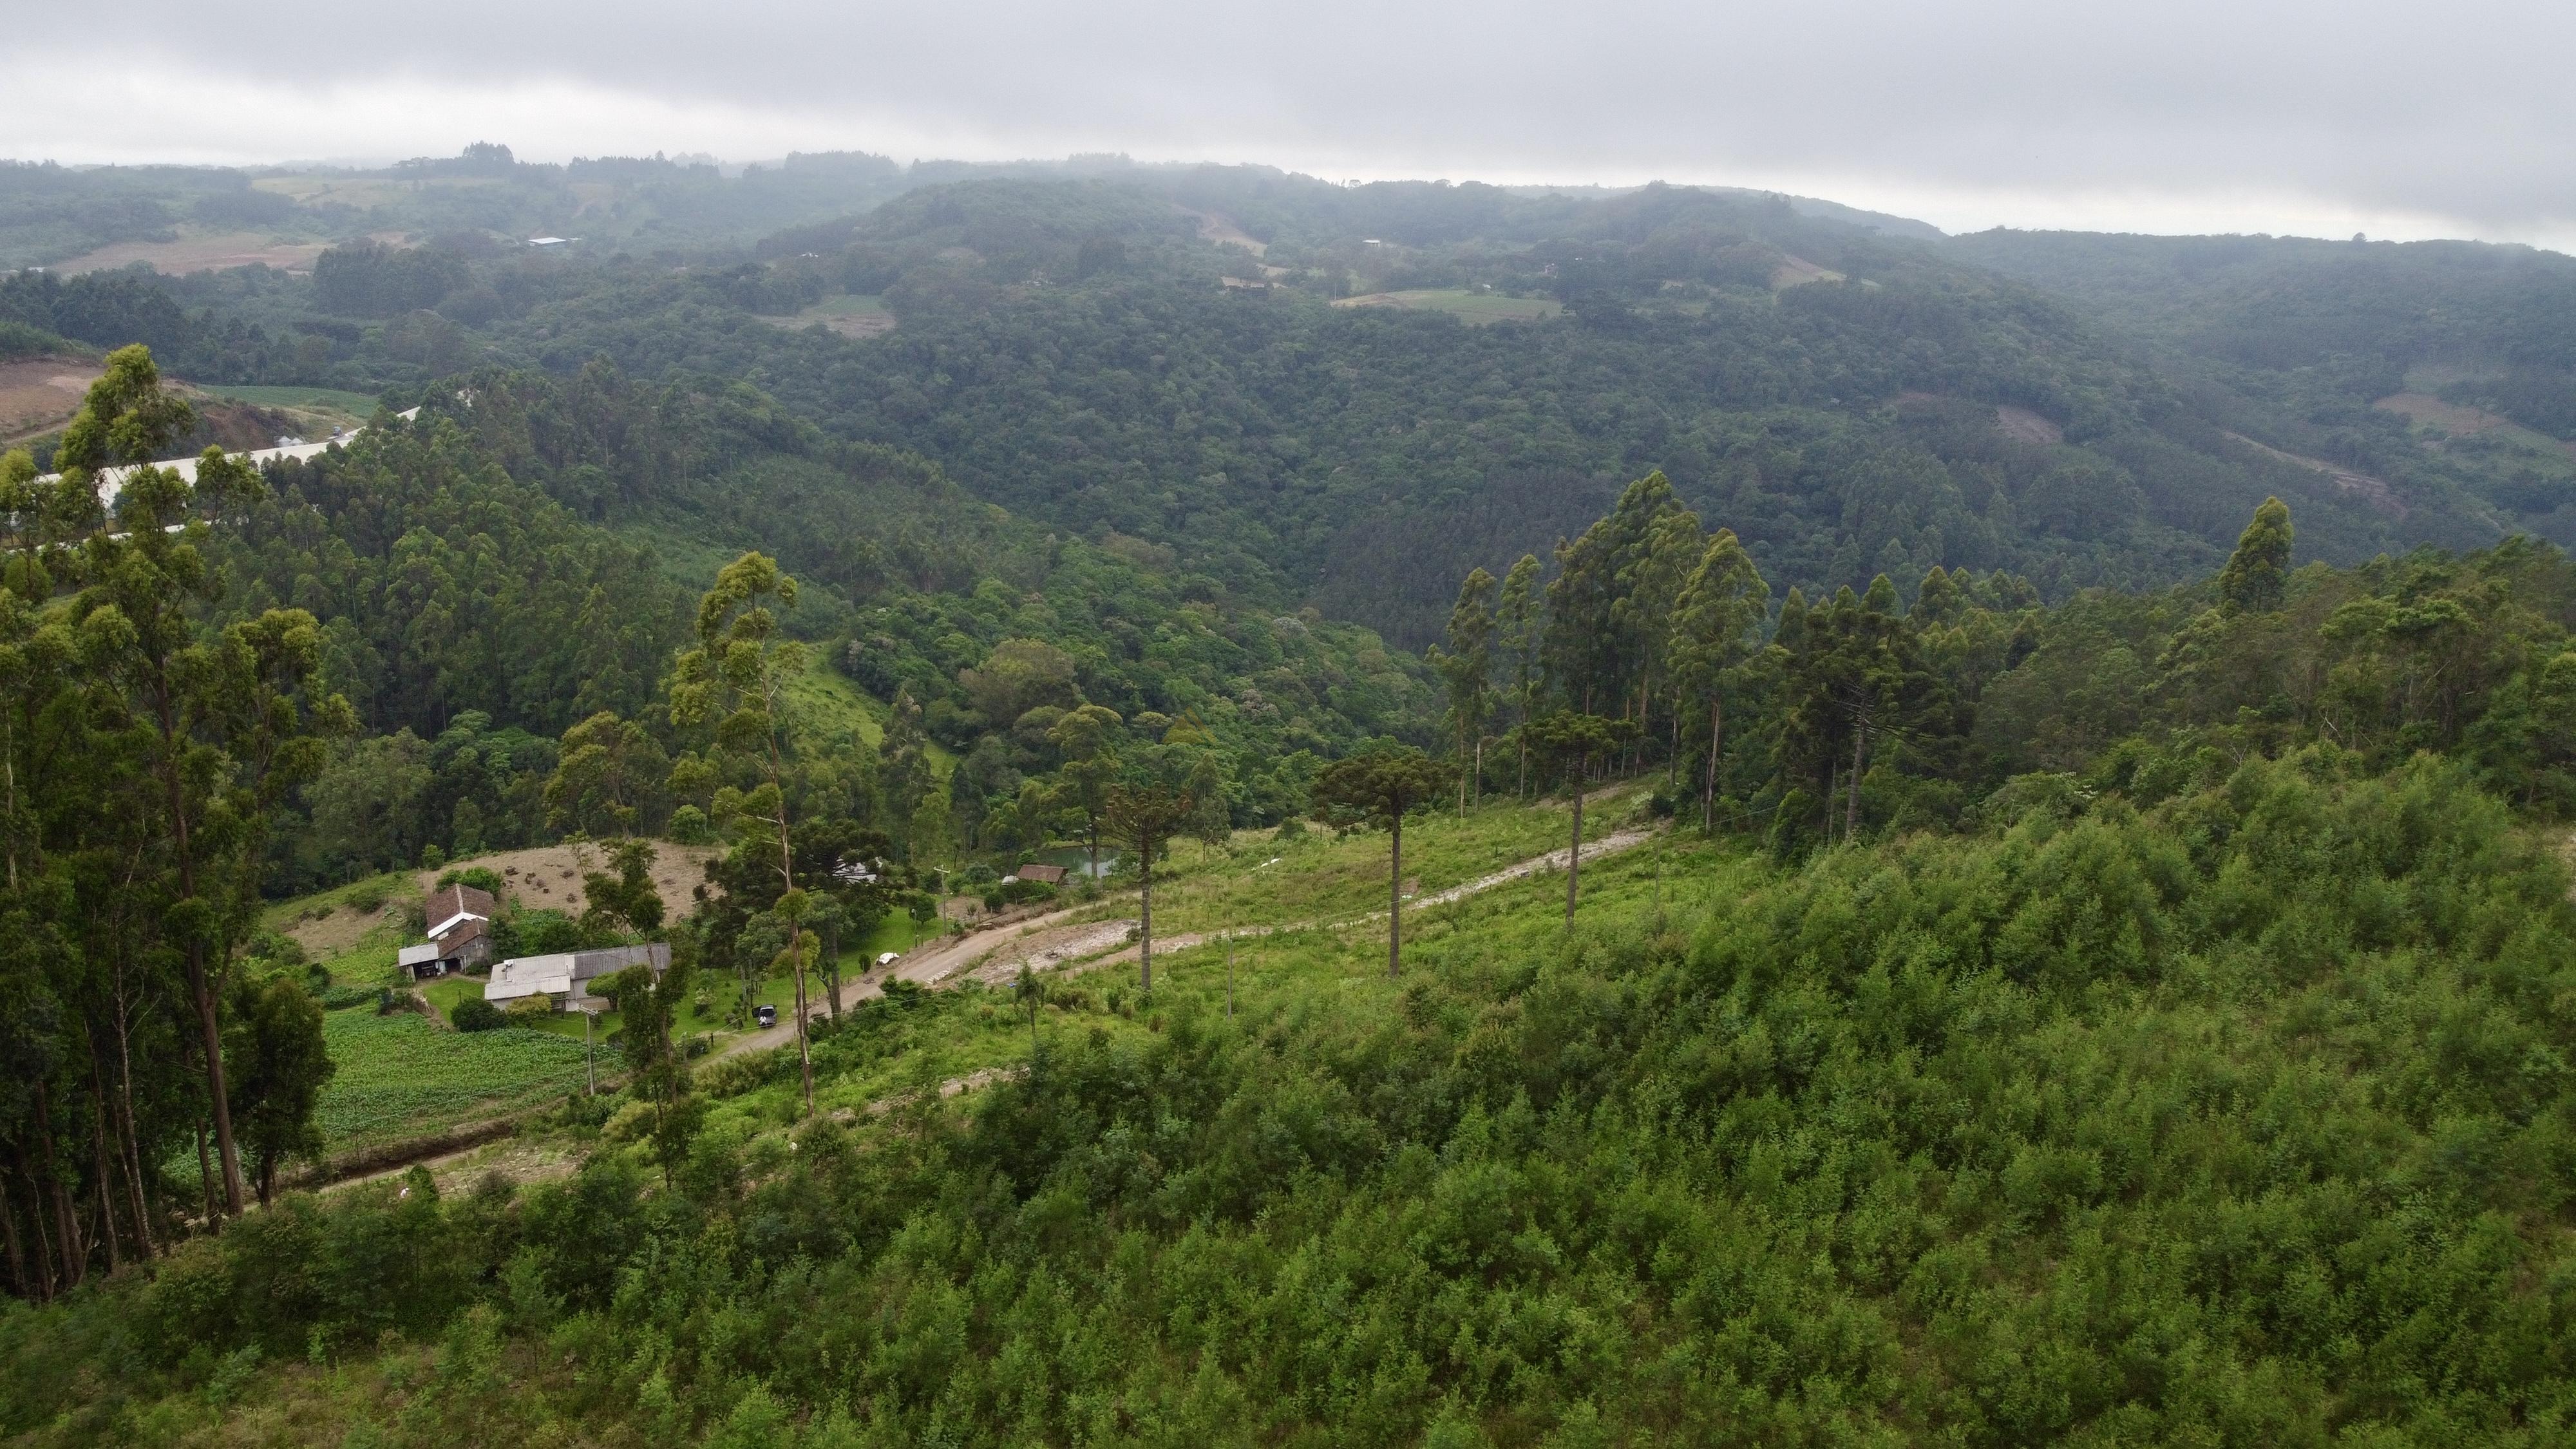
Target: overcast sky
(2181, 115)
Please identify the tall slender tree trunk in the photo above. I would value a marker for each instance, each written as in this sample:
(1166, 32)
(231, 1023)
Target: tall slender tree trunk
(1851, 808)
(1480, 767)
(1833, 777)
(44, 1240)
(211, 1029)
(1145, 925)
(201, 987)
(795, 928)
(66, 1221)
(133, 1154)
(105, 1187)
(1708, 791)
(206, 1175)
(1574, 852)
(17, 1250)
(1462, 775)
(1394, 896)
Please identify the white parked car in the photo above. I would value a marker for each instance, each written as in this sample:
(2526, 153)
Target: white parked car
(888, 958)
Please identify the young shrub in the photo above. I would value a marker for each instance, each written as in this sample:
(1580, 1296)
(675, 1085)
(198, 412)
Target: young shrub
(476, 1014)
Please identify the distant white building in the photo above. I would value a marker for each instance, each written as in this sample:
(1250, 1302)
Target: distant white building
(567, 975)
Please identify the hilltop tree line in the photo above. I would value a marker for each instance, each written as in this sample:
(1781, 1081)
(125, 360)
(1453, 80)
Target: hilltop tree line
(1878, 711)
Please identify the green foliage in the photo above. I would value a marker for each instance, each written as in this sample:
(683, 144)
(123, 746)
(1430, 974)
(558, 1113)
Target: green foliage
(478, 877)
(476, 1014)
(2258, 572)
(1853, 1147)
(400, 1076)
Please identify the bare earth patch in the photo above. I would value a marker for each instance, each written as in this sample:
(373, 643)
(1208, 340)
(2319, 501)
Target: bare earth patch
(549, 876)
(41, 394)
(2462, 421)
(521, 1160)
(340, 932)
(219, 252)
(1218, 227)
(2024, 426)
(1798, 271)
(2373, 491)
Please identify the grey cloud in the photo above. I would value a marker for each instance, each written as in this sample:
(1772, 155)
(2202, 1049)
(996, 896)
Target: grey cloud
(2368, 106)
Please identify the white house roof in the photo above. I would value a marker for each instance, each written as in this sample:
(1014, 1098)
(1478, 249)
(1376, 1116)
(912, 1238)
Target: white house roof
(530, 976)
(569, 972)
(416, 955)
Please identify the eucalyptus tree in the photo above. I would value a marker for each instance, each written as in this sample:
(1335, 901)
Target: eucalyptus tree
(736, 679)
(226, 726)
(1713, 634)
(1466, 666)
(1520, 618)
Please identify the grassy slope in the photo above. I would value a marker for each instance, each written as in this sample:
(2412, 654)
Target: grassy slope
(1329, 968)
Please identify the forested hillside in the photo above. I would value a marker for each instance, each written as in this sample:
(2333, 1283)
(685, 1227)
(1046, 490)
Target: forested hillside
(2204, 1081)
(1686, 819)
(1337, 396)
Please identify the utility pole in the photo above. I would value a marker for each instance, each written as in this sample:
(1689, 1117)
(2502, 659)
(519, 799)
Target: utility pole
(589, 1068)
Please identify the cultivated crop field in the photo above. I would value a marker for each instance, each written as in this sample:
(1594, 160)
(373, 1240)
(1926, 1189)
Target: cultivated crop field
(400, 1076)
(851, 316)
(200, 252)
(1477, 307)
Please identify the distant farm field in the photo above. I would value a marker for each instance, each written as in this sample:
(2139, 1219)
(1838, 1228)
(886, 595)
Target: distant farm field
(849, 315)
(212, 251)
(41, 393)
(2463, 421)
(366, 192)
(1479, 307)
(402, 1076)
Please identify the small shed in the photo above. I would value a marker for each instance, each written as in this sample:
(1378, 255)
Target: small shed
(467, 942)
(568, 975)
(1042, 874)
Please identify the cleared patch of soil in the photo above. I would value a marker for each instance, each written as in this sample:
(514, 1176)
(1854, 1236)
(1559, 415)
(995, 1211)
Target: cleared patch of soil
(1798, 271)
(2373, 491)
(2024, 426)
(856, 324)
(550, 875)
(40, 394)
(341, 930)
(1049, 949)
(547, 876)
(2462, 421)
(1218, 227)
(521, 1160)
(218, 252)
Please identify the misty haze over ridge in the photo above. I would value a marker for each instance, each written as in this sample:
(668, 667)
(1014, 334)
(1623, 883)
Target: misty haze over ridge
(2299, 118)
